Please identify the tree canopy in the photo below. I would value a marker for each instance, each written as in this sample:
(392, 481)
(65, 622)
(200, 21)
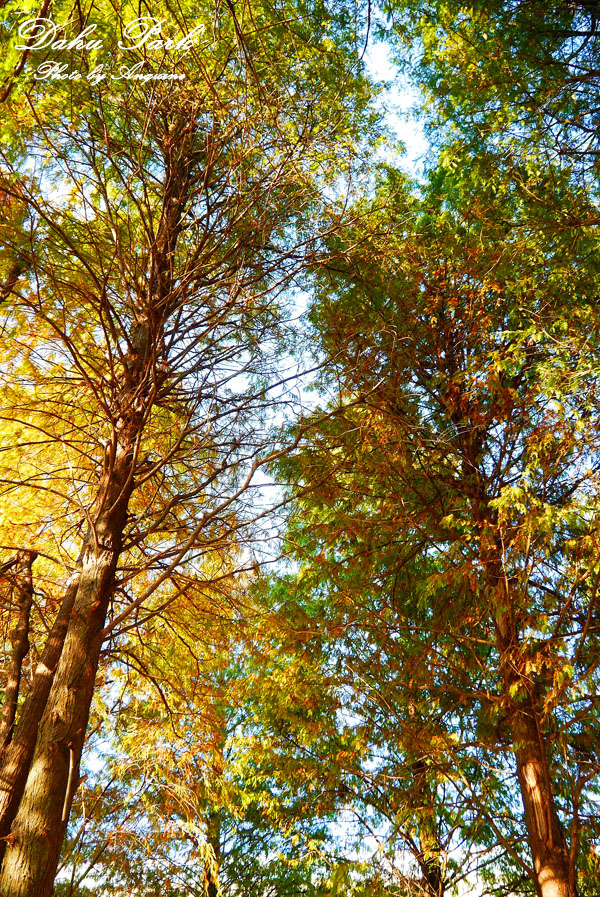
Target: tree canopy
(298, 603)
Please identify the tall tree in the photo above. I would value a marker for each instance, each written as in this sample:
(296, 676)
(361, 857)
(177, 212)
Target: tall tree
(461, 439)
(163, 223)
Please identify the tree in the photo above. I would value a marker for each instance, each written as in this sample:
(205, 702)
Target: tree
(458, 478)
(513, 83)
(508, 77)
(140, 332)
(188, 807)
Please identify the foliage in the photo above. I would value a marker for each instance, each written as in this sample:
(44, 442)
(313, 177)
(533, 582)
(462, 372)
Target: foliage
(459, 456)
(410, 700)
(151, 233)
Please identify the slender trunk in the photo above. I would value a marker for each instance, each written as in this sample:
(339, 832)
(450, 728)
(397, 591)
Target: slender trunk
(545, 835)
(15, 759)
(546, 838)
(23, 590)
(423, 807)
(547, 842)
(211, 865)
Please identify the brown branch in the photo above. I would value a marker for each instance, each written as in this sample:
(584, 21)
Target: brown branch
(23, 589)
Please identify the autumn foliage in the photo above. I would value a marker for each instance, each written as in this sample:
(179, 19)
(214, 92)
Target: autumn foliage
(299, 602)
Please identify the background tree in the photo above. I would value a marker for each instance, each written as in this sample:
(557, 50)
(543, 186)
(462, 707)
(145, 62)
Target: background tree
(186, 810)
(514, 83)
(462, 485)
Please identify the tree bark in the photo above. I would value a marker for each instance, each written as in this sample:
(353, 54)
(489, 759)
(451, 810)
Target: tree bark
(211, 865)
(547, 841)
(23, 591)
(35, 840)
(18, 267)
(15, 758)
(546, 838)
(423, 807)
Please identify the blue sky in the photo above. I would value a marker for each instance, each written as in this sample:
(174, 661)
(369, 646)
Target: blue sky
(398, 101)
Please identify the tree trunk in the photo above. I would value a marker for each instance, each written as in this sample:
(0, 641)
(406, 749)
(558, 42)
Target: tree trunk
(23, 591)
(35, 840)
(211, 865)
(547, 842)
(546, 838)
(7, 286)
(15, 759)
(545, 835)
(430, 854)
